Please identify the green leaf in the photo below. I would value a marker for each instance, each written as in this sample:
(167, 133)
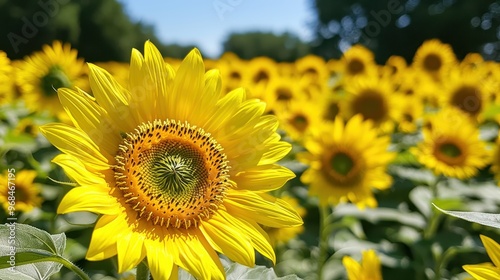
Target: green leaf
(487, 219)
(36, 252)
(236, 271)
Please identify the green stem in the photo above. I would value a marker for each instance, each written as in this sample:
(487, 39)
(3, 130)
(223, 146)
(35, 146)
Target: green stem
(74, 268)
(323, 238)
(434, 218)
(442, 261)
(142, 271)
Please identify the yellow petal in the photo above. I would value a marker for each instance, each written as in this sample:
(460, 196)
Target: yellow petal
(264, 178)
(484, 271)
(228, 240)
(259, 238)
(188, 85)
(91, 118)
(130, 250)
(206, 102)
(74, 142)
(352, 267)
(92, 198)
(112, 97)
(75, 169)
(197, 256)
(492, 248)
(261, 208)
(103, 244)
(224, 111)
(156, 72)
(160, 261)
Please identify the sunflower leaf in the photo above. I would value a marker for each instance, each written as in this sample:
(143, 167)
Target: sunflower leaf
(27, 252)
(487, 219)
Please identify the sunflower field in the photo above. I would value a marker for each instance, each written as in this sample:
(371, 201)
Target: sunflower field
(249, 169)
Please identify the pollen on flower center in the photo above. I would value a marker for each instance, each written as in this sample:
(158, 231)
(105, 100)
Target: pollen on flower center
(171, 173)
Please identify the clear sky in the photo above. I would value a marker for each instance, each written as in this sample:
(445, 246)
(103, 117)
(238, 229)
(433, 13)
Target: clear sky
(206, 23)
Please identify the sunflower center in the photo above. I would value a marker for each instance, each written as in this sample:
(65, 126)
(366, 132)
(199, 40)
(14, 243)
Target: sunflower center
(408, 117)
(432, 62)
(171, 173)
(342, 163)
(450, 153)
(235, 75)
(341, 167)
(450, 150)
(355, 66)
(331, 111)
(300, 122)
(54, 79)
(371, 105)
(284, 94)
(261, 76)
(467, 99)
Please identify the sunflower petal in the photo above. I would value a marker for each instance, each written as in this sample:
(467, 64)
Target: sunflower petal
(160, 261)
(75, 169)
(130, 250)
(484, 271)
(229, 240)
(103, 245)
(92, 198)
(264, 178)
(262, 208)
(73, 141)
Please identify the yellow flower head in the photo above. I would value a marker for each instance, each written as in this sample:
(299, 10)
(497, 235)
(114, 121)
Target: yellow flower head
(451, 145)
(177, 170)
(434, 58)
(26, 192)
(358, 61)
(40, 75)
(368, 269)
(486, 271)
(6, 84)
(346, 161)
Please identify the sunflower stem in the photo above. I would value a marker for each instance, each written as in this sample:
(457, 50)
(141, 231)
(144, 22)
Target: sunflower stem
(434, 218)
(142, 271)
(323, 238)
(74, 268)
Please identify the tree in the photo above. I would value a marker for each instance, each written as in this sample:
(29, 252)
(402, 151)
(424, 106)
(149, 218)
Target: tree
(99, 29)
(399, 27)
(282, 47)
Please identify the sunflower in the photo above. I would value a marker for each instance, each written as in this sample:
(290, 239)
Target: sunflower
(369, 268)
(346, 161)
(486, 271)
(281, 92)
(177, 170)
(434, 58)
(298, 117)
(411, 111)
(6, 85)
(261, 70)
(495, 168)
(312, 67)
(26, 192)
(466, 91)
(39, 75)
(280, 236)
(358, 61)
(451, 145)
(372, 98)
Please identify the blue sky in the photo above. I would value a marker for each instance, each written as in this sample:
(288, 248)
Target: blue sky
(206, 23)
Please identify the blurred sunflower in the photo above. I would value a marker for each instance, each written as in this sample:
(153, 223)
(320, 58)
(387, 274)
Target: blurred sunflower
(312, 67)
(346, 162)
(358, 61)
(281, 92)
(434, 58)
(466, 91)
(41, 74)
(411, 111)
(27, 125)
(368, 269)
(451, 145)
(6, 85)
(280, 236)
(372, 98)
(486, 271)
(177, 170)
(26, 192)
(298, 117)
(495, 167)
(260, 70)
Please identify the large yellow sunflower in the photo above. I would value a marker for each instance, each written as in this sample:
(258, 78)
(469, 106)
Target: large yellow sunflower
(368, 269)
(451, 145)
(24, 190)
(177, 170)
(39, 76)
(490, 270)
(346, 162)
(434, 58)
